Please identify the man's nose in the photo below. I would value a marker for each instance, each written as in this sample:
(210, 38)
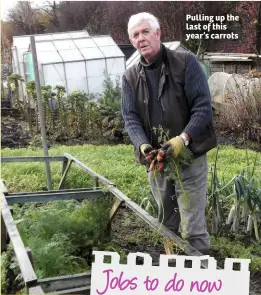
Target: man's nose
(141, 38)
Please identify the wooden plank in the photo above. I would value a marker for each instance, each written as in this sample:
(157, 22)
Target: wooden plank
(78, 291)
(47, 197)
(52, 191)
(31, 159)
(35, 291)
(65, 282)
(26, 268)
(88, 170)
(62, 181)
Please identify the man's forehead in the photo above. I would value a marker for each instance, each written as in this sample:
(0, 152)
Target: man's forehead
(144, 25)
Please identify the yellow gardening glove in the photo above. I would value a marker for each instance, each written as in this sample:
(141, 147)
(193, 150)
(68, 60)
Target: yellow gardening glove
(145, 148)
(174, 146)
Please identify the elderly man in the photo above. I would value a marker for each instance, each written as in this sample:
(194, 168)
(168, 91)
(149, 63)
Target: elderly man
(169, 89)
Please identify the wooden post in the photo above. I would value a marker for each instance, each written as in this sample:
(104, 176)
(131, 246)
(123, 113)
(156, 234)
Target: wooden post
(65, 162)
(62, 181)
(3, 235)
(95, 182)
(30, 255)
(41, 113)
(115, 208)
(168, 246)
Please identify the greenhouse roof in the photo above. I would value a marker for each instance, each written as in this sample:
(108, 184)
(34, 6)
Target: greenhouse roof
(77, 49)
(134, 58)
(22, 42)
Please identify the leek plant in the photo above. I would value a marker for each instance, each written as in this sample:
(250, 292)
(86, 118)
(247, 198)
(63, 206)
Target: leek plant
(247, 200)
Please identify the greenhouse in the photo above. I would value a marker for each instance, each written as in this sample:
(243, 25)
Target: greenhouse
(74, 60)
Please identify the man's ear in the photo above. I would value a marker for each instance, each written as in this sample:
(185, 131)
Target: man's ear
(158, 32)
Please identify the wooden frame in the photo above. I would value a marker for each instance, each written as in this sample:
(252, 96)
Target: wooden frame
(80, 283)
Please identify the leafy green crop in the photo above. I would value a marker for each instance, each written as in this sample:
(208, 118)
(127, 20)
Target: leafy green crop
(61, 234)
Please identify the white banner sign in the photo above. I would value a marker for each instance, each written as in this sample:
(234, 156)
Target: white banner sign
(130, 279)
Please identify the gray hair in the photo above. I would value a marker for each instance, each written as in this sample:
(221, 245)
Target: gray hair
(138, 18)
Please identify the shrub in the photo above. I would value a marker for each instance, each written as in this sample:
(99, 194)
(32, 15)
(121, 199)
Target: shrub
(111, 97)
(242, 112)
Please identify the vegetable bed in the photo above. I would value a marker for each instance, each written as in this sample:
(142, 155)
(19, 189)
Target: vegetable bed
(62, 231)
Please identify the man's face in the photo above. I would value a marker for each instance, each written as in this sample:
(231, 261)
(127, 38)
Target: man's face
(145, 40)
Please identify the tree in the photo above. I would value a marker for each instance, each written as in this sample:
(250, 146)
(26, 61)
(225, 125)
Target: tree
(30, 20)
(247, 12)
(52, 9)
(258, 30)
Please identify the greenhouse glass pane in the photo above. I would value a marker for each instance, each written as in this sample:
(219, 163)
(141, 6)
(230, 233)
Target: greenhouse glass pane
(20, 53)
(79, 34)
(85, 43)
(44, 46)
(70, 54)
(91, 53)
(61, 36)
(115, 78)
(95, 84)
(21, 42)
(132, 59)
(48, 57)
(21, 67)
(75, 70)
(15, 61)
(43, 37)
(115, 66)
(95, 67)
(104, 41)
(111, 51)
(54, 75)
(174, 45)
(64, 44)
(80, 84)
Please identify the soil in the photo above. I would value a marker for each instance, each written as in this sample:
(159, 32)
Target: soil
(15, 134)
(228, 137)
(132, 234)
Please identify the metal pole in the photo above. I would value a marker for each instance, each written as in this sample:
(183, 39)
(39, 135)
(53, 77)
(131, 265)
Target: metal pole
(40, 110)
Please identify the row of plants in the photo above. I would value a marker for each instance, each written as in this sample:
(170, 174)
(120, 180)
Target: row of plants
(234, 205)
(77, 115)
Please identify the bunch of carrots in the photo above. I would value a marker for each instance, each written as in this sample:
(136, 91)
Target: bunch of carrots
(157, 159)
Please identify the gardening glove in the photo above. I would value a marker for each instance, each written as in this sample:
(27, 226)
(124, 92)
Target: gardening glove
(174, 146)
(145, 148)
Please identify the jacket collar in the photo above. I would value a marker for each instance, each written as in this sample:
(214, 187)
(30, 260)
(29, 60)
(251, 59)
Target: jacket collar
(165, 62)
